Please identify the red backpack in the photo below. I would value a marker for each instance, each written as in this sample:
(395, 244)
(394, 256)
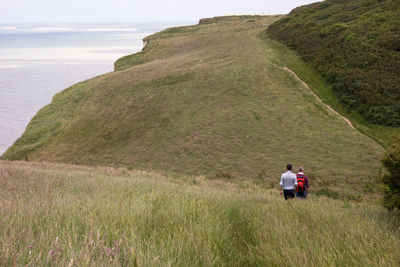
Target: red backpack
(301, 183)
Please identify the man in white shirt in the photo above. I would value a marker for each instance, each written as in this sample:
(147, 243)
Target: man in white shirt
(288, 182)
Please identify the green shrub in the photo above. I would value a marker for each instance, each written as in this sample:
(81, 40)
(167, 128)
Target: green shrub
(391, 179)
(327, 192)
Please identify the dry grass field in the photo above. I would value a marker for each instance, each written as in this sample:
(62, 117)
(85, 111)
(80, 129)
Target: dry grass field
(68, 215)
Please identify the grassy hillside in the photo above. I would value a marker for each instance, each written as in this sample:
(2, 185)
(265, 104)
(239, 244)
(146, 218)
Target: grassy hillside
(210, 99)
(381, 134)
(64, 215)
(355, 45)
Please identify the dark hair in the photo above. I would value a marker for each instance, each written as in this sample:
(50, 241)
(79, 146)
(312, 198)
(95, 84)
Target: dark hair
(289, 167)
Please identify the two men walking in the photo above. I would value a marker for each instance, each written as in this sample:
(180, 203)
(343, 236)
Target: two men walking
(291, 183)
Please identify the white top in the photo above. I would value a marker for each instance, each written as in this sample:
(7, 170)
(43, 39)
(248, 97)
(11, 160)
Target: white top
(288, 180)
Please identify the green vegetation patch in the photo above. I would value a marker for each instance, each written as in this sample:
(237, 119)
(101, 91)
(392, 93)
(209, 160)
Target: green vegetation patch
(355, 45)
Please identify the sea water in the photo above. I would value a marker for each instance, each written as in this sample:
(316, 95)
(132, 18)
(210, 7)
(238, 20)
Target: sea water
(38, 61)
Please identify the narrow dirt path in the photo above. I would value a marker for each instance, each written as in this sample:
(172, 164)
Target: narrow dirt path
(319, 99)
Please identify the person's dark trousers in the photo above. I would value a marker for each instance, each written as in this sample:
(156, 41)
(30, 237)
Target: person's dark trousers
(288, 194)
(301, 194)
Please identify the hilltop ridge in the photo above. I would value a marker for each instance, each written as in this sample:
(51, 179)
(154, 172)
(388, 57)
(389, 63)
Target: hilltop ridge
(209, 99)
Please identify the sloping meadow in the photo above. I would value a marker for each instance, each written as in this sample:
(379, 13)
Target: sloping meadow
(211, 99)
(79, 216)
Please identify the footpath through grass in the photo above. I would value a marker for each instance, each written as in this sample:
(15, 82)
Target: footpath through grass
(69, 215)
(381, 134)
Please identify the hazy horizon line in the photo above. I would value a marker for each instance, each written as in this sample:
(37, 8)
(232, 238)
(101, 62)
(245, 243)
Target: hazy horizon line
(131, 22)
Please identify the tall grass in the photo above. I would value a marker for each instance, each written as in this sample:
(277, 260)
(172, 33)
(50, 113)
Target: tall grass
(77, 216)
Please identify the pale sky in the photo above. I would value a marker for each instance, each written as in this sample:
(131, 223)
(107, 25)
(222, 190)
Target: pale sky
(125, 11)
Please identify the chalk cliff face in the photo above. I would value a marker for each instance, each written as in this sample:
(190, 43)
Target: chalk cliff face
(209, 99)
